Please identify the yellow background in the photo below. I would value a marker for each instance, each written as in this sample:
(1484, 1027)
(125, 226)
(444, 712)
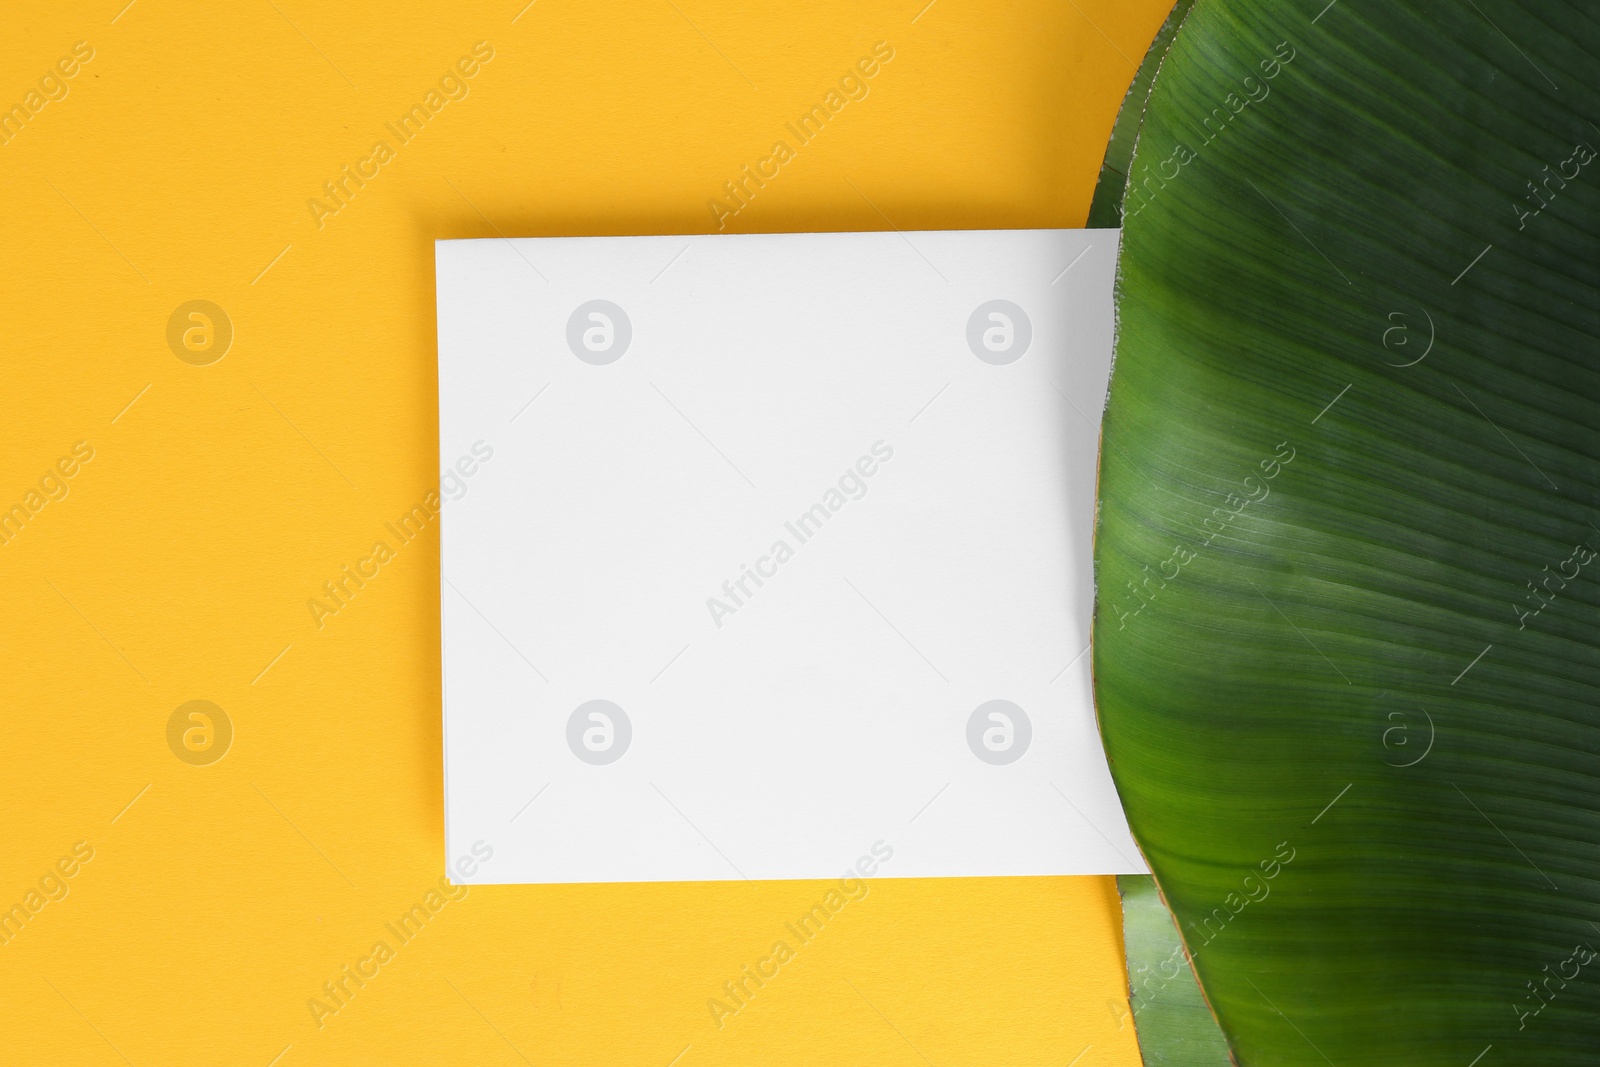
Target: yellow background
(180, 563)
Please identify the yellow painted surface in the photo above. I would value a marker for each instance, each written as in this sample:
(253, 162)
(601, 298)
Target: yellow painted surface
(175, 562)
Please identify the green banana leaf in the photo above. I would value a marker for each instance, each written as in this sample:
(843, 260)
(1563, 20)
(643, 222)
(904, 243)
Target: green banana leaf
(1174, 1025)
(1348, 597)
(1105, 209)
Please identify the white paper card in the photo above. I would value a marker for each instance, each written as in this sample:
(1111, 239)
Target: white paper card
(759, 551)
